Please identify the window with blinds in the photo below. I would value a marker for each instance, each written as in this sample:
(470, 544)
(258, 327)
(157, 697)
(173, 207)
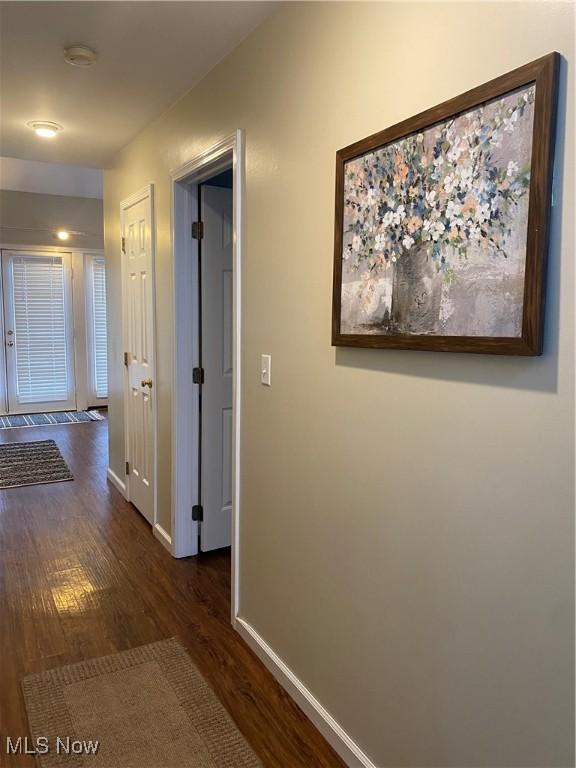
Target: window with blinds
(40, 316)
(99, 342)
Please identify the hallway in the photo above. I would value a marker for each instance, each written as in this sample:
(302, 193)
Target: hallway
(81, 576)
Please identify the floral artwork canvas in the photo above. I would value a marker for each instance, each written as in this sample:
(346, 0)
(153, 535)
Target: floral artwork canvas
(435, 227)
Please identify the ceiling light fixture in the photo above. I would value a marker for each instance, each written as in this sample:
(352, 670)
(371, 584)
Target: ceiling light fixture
(63, 234)
(80, 56)
(44, 129)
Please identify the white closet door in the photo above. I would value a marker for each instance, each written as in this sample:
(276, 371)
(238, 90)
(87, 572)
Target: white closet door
(38, 331)
(138, 270)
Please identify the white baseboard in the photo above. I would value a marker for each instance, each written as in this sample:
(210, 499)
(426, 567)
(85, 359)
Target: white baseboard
(116, 482)
(334, 734)
(162, 536)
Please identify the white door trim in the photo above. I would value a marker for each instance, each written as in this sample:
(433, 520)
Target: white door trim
(226, 153)
(146, 192)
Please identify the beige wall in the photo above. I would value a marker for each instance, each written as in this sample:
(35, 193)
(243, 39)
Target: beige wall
(30, 218)
(407, 528)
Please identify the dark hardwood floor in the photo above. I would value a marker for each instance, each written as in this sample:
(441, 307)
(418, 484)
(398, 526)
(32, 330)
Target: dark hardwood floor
(82, 576)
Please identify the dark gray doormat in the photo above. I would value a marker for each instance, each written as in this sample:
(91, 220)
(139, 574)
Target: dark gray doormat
(146, 708)
(48, 419)
(32, 464)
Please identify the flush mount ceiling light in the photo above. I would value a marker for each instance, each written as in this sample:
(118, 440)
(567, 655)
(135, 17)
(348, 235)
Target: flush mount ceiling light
(63, 234)
(80, 56)
(44, 129)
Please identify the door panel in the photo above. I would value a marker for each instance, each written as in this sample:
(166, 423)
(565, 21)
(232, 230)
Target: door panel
(138, 266)
(38, 331)
(217, 328)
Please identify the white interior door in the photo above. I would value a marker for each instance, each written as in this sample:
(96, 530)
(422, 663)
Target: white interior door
(138, 272)
(38, 331)
(216, 351)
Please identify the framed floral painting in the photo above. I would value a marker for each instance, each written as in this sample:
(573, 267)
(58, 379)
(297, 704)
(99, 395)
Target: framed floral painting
(442, 223)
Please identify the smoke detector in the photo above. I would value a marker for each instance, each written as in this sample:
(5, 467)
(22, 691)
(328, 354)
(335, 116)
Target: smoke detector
(80, 56)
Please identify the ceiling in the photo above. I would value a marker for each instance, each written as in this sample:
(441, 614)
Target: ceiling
(149, 55)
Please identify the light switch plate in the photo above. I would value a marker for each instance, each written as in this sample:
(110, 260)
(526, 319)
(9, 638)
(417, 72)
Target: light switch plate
(265, 370)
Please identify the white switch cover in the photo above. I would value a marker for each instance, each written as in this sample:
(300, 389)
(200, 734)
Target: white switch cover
(265, 369)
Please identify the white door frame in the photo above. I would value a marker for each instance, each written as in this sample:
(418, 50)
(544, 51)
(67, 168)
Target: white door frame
(146, 192)
(226, 153)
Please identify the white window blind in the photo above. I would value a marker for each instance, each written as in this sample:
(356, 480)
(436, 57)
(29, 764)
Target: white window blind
(99, 343)
(40, 332)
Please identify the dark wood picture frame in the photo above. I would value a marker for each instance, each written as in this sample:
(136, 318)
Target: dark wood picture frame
(544, 74)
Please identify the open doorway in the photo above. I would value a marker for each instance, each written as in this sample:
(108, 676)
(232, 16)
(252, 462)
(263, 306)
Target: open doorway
(207, 242)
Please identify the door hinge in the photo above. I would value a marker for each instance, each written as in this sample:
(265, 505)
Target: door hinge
(197, 513)
(123, 245)
(198, 375)
(126, 359)
(127, 467)
(197, 230)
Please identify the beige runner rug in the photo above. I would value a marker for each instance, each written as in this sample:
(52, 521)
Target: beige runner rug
(144, 708)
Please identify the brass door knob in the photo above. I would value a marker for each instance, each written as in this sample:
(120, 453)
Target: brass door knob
(146, 383)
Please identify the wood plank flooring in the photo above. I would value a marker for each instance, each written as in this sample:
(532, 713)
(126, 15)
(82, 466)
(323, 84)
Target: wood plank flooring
(82, 576)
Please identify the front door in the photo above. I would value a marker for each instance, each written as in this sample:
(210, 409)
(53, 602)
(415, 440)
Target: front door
(38, 332)
(139, 344)
(216, 352)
